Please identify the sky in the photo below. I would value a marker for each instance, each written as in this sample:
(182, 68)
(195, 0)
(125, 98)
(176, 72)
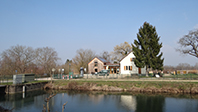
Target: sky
(99, 25)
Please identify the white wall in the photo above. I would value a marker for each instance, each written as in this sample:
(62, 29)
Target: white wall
(127, 62)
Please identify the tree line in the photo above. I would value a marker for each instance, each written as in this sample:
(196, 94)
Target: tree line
(22, 59)
(180, 66)
(146, 48)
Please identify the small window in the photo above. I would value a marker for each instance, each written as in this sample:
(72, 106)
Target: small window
(133, 59)
(130, 68)
(95, 63)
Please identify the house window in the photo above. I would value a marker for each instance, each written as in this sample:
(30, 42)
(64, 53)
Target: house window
(132, 59)
(95, 63)
(128, 68)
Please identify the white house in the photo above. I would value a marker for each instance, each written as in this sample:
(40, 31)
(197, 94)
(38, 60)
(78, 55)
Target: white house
(127, 65)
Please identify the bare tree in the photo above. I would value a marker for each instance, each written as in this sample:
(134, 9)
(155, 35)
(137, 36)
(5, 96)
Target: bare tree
(120, 51)
(168, 69)
(189, 44)
(17, 58)
(46, 58)
(67, 66)
(82, 58)
(184, 66)
(196, 66)
(1, 67)
(105, 55)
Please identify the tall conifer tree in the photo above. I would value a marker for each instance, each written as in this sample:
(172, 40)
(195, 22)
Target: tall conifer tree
(147, 48)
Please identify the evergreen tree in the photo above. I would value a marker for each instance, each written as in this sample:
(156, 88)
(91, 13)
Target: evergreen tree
(147, 48)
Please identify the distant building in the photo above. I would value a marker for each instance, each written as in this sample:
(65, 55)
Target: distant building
(186, 72)
(97, 64)
(126, 66)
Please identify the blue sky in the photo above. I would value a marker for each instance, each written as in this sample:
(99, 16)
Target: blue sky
(99, 25)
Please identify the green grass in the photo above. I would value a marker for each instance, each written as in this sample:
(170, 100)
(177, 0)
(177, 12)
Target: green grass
(182, 76)
(36, 81)
(10, 83)
(129, 84)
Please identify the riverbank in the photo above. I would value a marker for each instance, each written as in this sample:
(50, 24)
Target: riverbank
(126, 86)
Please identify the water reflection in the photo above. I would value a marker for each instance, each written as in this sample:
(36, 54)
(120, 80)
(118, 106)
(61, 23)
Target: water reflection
(17, 101)
(150, 103)
(129, 102)
(97, 102)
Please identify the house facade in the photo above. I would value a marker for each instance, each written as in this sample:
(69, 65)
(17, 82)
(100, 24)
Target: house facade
(127, 65)
(97, 64)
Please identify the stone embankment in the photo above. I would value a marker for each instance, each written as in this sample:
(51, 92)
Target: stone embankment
(10, 89)
(95, 87)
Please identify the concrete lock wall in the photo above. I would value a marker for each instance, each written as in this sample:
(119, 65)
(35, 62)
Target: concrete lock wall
(10, 89)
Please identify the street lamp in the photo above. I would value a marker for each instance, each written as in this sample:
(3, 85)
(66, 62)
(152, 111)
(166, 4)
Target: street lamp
(53, 69)
(69, 66)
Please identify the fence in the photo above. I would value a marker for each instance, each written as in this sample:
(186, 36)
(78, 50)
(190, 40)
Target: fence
(113, 76)
(143, 76)
(5, 78)
(58, 76)
(9, 78)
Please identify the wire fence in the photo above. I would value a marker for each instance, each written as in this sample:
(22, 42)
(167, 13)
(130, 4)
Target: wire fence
(142, 76)
(6, 78)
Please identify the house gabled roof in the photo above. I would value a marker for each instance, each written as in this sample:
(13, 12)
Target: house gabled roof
(125, 56)
(101, 59)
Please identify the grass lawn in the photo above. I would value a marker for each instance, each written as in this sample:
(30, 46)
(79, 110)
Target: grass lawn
(10, 83)
(129, 84)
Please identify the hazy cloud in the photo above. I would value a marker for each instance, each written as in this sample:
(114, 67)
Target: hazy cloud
(185, 16)
(196, 26)
(172, 57)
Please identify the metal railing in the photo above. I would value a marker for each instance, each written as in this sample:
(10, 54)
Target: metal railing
(6, 78)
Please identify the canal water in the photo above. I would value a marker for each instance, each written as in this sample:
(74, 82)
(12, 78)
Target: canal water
(100, 102)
